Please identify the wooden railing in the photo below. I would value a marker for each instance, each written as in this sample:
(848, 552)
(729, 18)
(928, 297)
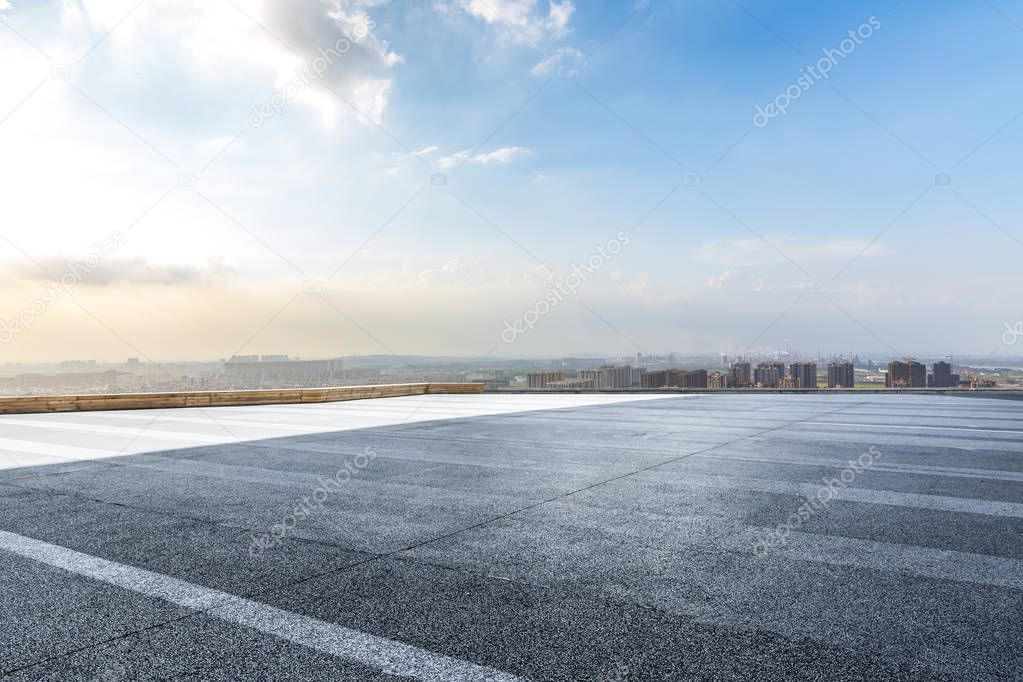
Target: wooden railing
(284, 396)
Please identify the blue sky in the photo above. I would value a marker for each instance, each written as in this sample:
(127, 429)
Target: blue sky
(879, 213)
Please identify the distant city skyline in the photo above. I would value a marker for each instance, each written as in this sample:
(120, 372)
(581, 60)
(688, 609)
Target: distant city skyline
(650, 372)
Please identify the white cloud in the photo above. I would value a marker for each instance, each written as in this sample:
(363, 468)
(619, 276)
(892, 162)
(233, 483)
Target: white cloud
(738, 253)
(637, 287)
(568, 56)
(413, 155)
(453, 160)
(522, 20)
(502, 155)
(461, 274)
(459, 271)
(272, 39)
(496, 157)
(515, 13)
(863, 293)
(557, 21)
(361, 70)
(719, 280)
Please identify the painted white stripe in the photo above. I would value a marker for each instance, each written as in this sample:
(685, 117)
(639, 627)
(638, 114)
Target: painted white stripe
(670, 534)
(15, 459)
(219, 422)
(388, 655)
(892, 498)
(962, 505)
(54, 449)
(912, 427)
(126, 431)
(897, 467)
(226, 472)
(944, 564)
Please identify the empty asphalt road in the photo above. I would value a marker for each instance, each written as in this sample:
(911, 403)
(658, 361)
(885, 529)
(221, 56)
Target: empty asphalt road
(517, 537)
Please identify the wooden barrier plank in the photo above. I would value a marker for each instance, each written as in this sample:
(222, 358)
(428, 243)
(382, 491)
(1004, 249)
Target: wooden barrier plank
(139, 401)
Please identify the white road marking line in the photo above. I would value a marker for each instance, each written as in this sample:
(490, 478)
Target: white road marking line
(390, 656)
(911, 427)
(893, 498)
(897, 467)
(943, 564)
(126, 431)
(54, 449)
(691, 534)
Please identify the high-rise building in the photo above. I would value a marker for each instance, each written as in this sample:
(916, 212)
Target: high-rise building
(841, 375)
(740, 374)
(768, 374)
(544, 378)
(657, 379)
(694, 379)
(675, 378)
(719, 380)
(623, 376)
(942, 375)
(907, 373)
(803, 374)
(591, 375)
(610, 376)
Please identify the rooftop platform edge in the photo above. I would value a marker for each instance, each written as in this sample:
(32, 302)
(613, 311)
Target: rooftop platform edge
(139, 401)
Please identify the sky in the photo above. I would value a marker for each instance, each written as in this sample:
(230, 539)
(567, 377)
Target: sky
(509, 178)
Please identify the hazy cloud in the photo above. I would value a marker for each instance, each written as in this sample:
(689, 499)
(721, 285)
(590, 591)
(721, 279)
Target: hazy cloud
(116, 271)
(717, 281)
(568, 56)
(460, 270)
(738, 253)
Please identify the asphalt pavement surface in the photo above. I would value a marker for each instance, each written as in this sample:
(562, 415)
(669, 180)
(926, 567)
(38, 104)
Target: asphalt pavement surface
(604, 538)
